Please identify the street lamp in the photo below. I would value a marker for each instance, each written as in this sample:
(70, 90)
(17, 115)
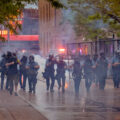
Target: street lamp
(62, 50)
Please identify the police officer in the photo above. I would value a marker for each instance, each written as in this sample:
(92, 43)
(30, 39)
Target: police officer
(32, 71)
(12, 74)
(102, 66)
(49, 73)
(3, 70)
(22, 72)
(77, 74)
(116, 69)
(7, 80)
(61, 67)
(88, 72)
(95, 70)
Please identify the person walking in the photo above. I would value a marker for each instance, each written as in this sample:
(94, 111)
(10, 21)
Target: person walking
(3, 70)
(116, 69)
(12, 74)
(102, 66)
(77, 74)
(32, 72)
(49, 73)
(95, 70)
(61, 67)
(88, 72)
(23, 72)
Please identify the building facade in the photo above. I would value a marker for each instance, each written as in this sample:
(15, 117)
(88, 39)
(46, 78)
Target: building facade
(28, 37)
(30, 24)
(49, 27)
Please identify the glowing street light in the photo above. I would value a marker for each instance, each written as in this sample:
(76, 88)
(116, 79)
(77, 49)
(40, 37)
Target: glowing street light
(62, 50)
(23, 51)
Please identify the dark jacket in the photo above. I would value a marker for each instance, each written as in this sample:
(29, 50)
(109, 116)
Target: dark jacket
(50, 66)
(88, 66)
(77, 70)
(23, 66)
(32, 70)
(12, 69)
(102, 65)
(61, 67)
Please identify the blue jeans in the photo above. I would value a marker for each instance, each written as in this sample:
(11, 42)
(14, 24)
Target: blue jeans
(32, 82)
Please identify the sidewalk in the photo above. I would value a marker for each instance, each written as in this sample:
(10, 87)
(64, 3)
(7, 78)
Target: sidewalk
(14, 108)
(109, 83)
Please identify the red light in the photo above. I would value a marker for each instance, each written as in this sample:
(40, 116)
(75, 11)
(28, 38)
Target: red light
(23, 51)
(23, 37)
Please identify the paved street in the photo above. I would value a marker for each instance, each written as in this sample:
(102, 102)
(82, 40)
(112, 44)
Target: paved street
(95, 105)
(14, 108)
(73, 40)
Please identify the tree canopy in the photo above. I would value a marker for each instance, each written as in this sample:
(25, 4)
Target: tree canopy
(95, 17)
(91, 18)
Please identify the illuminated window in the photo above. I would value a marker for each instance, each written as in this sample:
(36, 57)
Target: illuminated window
(3, 32)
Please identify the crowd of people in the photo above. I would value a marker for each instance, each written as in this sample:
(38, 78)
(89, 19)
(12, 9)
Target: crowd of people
(13, 70)
(91, 69)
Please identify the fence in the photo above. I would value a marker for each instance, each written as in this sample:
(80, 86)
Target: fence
(108, 46)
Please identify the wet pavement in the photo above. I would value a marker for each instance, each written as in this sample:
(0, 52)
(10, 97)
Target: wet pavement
(95, 105)
(14, 108)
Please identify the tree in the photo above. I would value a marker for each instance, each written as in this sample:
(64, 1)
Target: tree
(56, 3)
(94, 15)
(10, 10)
